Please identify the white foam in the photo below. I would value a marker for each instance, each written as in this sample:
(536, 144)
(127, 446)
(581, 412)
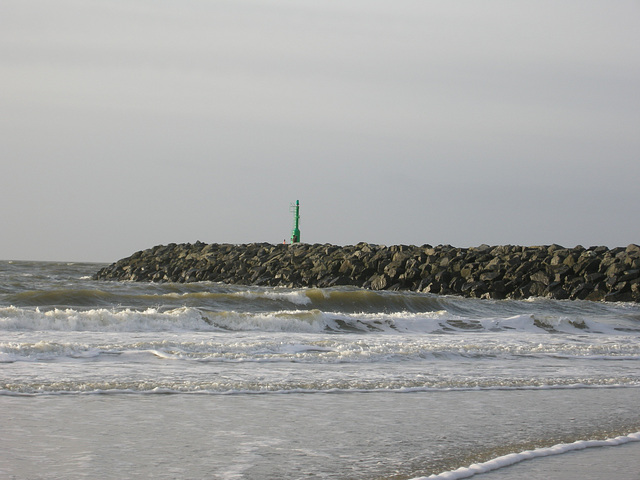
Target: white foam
(294, 320)
(513, 458)
(150, 319)
(44, 350)
(7, 358)
(296, 297)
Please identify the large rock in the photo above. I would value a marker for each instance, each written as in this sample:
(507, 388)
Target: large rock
(498, 272)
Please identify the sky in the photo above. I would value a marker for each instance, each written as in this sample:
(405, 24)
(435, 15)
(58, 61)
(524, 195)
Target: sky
(126, 124)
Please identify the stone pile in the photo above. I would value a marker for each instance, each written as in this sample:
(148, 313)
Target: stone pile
(499, 272)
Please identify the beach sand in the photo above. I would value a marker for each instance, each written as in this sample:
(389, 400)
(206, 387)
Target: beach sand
(620, 462)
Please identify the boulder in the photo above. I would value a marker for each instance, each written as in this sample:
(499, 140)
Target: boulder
(507, 271)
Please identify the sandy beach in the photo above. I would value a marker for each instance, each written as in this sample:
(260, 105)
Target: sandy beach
(613, 463)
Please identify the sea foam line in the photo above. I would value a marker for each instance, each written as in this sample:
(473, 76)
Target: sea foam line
(513, 458)
(136, 388)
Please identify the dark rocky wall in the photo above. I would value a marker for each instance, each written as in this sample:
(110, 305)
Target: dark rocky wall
(596, 273)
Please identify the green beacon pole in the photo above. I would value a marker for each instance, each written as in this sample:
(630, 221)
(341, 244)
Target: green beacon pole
(295, 233)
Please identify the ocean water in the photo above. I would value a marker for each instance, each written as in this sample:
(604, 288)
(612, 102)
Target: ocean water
(205, 380)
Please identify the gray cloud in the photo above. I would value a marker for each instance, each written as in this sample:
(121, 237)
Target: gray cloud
(128, 124)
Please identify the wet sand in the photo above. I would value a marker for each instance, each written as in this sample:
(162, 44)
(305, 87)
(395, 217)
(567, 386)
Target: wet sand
(620, 462)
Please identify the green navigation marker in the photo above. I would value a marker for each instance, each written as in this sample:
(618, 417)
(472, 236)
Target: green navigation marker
(295, 233)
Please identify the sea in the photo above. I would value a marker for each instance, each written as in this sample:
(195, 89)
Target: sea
(112, 380)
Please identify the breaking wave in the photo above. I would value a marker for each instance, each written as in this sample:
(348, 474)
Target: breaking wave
(312, 320)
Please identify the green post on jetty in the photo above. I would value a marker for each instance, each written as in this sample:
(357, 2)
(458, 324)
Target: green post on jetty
(295, 233)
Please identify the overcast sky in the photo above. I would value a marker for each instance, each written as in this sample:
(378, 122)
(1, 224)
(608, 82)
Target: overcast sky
(126, 124)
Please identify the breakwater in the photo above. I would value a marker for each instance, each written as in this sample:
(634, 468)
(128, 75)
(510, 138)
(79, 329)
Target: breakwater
(499, 272)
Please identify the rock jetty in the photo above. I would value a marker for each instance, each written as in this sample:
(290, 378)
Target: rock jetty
(498, 272)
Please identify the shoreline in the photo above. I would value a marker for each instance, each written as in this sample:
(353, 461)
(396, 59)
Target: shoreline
(617, 462)
(492, 272)
(509, 460)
